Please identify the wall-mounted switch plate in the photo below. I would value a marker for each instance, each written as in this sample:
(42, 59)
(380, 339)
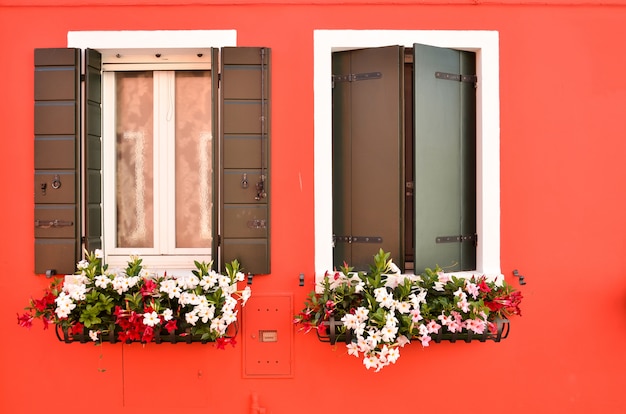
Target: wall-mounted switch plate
(268, 336)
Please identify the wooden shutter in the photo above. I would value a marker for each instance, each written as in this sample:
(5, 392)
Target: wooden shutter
(445, 158)
(244, 157)
(368, 136)
(57, 143)
(59, 166)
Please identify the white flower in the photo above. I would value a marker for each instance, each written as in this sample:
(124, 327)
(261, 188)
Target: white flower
(353, 349)
(98, 253)
(151, 318)
(206, 312)
(403, 307)
(192, 318)
(370, 361)
(245, 295)
(208, 281)
(102, 281)
(389, 333)
(64, 305)
(76, 292)
(187, 282)
(94, 335)
(171, 288)
(223, 281)
(240, 277)
(349, 321)
(187, 298)
(361, 313)
(168, 314)
(82, 265)
(393, 267)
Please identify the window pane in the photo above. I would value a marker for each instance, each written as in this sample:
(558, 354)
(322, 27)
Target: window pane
(194, 166)
(134, 159)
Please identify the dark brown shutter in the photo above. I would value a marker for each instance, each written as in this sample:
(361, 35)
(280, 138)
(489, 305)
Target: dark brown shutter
(367, 155)
(244, 157)
(57, 143)
(93, 150)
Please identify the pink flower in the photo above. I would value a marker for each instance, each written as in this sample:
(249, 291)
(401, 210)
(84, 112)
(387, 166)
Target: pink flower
(433, 327)
(25, 320)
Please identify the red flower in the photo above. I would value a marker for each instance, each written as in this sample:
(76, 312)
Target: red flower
(25, 320)
(77, 328)
(148, 334)
(46, 322)
(222, 342)
(483, 286)
(170, 326)
(148, 288)
(306, 327)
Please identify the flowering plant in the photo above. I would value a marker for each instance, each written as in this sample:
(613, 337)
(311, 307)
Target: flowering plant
(136, 305)
(383, 310)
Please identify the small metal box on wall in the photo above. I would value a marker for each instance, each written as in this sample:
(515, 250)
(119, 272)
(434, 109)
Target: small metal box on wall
(268, 336)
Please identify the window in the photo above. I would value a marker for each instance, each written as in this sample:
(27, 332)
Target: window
(485, 46)
(176, 145)
(159, 150)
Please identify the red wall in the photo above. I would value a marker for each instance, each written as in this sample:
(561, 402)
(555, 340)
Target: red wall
(563, 143)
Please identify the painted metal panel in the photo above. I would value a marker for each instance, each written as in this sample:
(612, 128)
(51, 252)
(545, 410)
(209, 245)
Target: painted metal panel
(268, 336)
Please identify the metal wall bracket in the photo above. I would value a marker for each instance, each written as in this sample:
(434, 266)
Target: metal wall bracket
(521, 278)
(301, 283)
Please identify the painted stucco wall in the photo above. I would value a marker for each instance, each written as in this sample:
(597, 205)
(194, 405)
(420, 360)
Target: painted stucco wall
(562, 94)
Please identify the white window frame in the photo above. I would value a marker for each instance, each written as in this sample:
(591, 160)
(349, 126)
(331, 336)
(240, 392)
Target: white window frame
(144, 46)
(486, 46)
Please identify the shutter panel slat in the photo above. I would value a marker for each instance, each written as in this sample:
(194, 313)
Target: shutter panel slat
(244, 156)
(57, 143)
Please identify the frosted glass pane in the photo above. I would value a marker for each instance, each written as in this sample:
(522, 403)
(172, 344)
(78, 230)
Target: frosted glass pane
(194, 160)
(134, 159)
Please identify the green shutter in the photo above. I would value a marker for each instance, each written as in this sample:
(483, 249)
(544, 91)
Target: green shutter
(244, 157)
(57, 144)
(93, 150)
(445, 157)
(368, 142)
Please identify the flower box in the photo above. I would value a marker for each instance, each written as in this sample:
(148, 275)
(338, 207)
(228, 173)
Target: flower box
(377, 313)
(160, 336)
(334, 333)
(135, 305)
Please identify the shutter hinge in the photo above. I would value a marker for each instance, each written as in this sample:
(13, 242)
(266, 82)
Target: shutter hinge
(353, 77)
(357, 239)
(457, 77)
(458, 239)
(219, 240)
(82, 77)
